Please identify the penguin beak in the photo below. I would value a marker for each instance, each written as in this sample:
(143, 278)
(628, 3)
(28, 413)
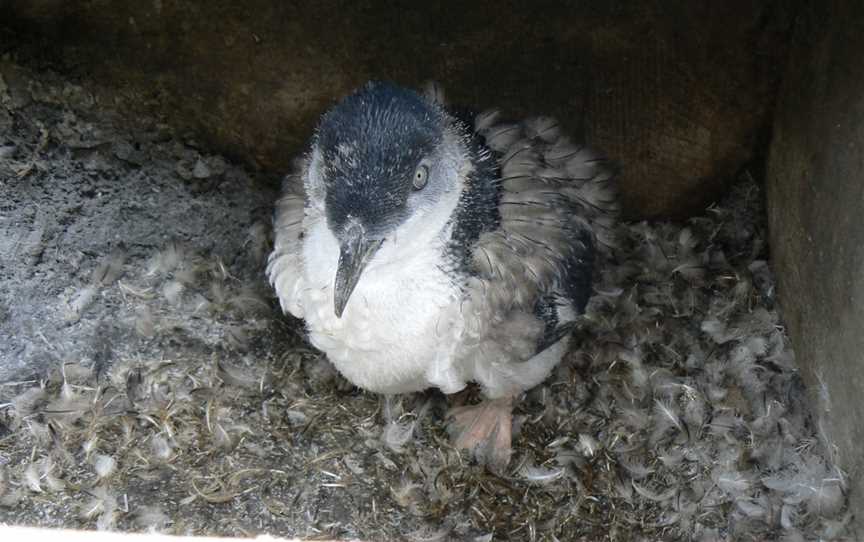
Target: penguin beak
(354, 253)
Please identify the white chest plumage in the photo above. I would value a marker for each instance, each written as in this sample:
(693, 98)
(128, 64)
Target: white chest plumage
(398, 329)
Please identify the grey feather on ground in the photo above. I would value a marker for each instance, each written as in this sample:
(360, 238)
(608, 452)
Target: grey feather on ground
(197, 448)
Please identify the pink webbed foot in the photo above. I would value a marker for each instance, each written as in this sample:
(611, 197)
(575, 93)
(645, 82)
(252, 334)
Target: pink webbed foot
(485, 430)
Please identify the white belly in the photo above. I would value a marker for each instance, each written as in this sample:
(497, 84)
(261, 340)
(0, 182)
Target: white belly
(398, 325)
(408, 327)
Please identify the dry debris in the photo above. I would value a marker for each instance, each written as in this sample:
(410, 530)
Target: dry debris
(678, 415)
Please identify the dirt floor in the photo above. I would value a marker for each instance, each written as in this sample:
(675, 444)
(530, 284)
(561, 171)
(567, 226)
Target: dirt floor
(148, 381)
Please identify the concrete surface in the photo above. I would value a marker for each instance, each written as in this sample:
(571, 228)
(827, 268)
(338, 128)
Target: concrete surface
(679, 92)
(815, 201)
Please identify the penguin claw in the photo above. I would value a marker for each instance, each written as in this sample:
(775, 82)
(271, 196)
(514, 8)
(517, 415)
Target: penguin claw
(485, 430)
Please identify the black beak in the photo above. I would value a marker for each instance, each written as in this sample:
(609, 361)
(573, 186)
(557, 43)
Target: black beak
(354, 253)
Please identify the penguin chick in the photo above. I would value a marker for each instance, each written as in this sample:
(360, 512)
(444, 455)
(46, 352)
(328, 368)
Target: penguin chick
(425, 248)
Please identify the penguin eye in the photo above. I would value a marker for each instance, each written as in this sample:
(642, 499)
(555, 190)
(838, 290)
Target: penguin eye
(421, 176)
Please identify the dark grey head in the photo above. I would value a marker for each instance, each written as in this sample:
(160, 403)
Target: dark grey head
(387, 163)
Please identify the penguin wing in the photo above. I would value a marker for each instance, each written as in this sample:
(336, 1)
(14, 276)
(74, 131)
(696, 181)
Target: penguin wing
(558, 207)
(284, 266)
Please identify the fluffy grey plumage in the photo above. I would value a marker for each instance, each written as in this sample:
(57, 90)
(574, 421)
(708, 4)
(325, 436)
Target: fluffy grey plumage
(425, 249)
